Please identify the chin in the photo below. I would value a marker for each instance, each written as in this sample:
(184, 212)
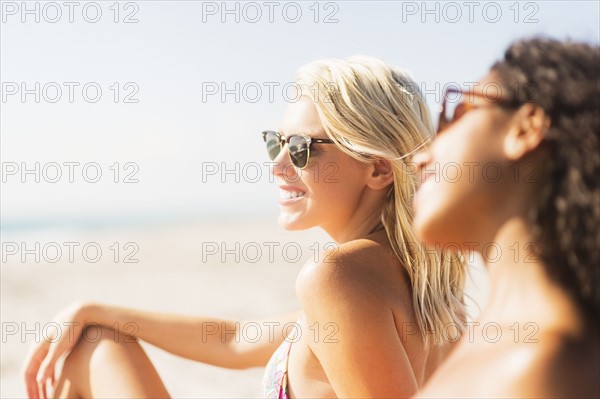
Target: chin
(291, 222)
(423, 231)
(429, 227)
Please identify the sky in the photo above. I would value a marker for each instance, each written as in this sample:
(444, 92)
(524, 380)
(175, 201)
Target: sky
(121, 112)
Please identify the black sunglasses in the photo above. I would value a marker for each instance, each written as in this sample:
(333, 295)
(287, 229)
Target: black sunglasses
(298, 146)
(452, 111)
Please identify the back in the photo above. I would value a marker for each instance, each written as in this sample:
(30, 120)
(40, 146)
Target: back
(359, 333)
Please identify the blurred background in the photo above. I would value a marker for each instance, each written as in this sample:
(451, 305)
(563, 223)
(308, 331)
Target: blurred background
(133, 171)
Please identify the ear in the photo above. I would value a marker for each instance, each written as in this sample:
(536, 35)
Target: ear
(381, 174)
(526, 134)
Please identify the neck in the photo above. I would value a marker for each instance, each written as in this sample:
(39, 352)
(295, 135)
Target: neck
(521, 291)
(365, 219)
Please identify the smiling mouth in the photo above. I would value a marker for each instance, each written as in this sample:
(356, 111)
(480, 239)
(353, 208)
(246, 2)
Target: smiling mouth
(290, 194)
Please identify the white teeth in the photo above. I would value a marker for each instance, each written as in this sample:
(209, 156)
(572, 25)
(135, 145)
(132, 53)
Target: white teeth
(285, 194)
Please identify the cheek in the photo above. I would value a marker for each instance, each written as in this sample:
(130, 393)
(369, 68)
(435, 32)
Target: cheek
(330, 182)
(452, 201)
(336, 184)
(320, 172)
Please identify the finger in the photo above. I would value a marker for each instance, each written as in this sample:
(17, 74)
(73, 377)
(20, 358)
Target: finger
(36, 354)
(48, 387)
(36, 357)
(32, 387)
(30, 381)
(41, 390)
(51, 383)
(41, 384)
(46, 390)
(48, 365)
(46, 373)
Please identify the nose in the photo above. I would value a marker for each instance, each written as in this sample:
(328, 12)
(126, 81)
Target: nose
(283, 167)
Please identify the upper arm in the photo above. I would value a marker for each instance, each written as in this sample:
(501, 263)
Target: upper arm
(365, 358)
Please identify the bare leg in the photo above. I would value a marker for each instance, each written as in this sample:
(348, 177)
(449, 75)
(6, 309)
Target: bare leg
(108, 364)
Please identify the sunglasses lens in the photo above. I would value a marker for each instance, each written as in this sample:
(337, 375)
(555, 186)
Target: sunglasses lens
(273, 144)
(451, 105)
(298, 148)
(451, 110)
(442, 122)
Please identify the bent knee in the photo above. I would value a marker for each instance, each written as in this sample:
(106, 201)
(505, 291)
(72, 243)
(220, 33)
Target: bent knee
(100, 342)
(96, 334)
(101, 354)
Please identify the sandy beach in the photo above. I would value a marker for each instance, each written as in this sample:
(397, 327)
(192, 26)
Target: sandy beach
(189, 268)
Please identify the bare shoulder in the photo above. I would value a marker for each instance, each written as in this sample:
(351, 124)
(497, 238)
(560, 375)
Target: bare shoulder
(554, 366)
(566, 366)
(357, 266)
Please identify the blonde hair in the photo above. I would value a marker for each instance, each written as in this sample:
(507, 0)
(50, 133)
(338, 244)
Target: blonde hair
(371, 110)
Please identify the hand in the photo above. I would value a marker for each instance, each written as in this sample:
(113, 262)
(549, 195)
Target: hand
(42, 358)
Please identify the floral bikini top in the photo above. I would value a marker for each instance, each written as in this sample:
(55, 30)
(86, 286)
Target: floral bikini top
(275, 377)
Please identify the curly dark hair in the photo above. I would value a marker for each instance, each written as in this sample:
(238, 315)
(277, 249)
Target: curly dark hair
(563, 78)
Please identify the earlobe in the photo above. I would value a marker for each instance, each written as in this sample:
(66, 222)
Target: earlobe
(527, 133)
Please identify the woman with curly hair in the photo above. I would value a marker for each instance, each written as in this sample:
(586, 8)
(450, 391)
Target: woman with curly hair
(529, 133)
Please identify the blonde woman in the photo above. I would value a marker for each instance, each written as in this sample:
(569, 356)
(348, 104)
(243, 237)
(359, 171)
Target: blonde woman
(387, 304)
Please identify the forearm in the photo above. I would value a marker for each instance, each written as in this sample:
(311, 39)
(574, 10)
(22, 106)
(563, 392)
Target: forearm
(207, 340)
